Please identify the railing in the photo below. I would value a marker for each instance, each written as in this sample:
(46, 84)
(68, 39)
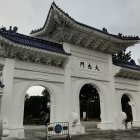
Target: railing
(58, 129)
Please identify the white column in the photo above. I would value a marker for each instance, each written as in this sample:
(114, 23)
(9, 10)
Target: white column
(110, 100)
(136, 109)
(67, 83)
(8, 74)
(71, 111)
(112, 106)
(67, 89)
(17, 107)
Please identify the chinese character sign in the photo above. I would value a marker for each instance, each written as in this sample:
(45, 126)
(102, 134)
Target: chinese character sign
(91, 66)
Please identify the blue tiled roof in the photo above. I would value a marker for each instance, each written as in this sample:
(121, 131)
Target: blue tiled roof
(32, 42)
(127, 65)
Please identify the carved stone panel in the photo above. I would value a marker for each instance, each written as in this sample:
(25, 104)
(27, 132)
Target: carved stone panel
(93, 67)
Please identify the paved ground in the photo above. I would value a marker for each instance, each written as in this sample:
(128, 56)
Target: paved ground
(38, 133)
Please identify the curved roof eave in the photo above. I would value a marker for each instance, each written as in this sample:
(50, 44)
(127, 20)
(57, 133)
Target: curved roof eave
(120, 37)
(31, 43)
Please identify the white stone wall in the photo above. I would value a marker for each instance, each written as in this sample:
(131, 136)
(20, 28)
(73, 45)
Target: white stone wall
(102, 79)
(131, 89)
(18, 77)
(64, 85)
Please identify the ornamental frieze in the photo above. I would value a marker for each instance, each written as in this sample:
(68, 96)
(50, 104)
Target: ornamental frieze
(128, 74)
(33, 56)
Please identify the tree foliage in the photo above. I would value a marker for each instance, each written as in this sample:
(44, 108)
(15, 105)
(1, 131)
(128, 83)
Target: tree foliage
(46, 94)
(27, 96)
(89, 93)
(36, 106)
(122, 56)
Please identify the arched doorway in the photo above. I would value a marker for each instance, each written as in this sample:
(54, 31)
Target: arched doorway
(36, 109)
(89, 105)
(126, 107)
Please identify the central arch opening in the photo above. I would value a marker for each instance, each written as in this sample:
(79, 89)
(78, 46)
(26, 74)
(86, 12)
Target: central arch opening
(89, 105)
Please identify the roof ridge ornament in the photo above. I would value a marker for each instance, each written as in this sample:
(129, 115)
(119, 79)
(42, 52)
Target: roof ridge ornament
(105, 30)
(3, 29)
(11, 30)
(130, 37)
(53, 3)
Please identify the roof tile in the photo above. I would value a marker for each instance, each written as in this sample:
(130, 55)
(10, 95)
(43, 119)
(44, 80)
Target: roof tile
(29, 41)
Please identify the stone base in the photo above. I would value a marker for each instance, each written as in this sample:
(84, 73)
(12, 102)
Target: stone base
(136, 124)
(77, 129)
(106, 126)
(15, 133)
(129, 125)
(8, 138)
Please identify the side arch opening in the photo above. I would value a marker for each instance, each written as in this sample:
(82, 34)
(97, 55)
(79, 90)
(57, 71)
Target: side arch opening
(37, 108)
(126, 107)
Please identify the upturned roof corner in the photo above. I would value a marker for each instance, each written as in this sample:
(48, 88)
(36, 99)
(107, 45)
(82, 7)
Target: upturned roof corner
(60, 27)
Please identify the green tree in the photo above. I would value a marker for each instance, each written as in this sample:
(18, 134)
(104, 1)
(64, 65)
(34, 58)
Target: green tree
(122, 56)
(27, 96)
(46, 100)
(46, 95)
(36, 107)
(33, 107)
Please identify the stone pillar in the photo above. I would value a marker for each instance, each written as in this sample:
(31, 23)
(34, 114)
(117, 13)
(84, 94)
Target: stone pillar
(67, 83)
(113, 102)
(110, 100)
(135, 105)
(16, 118)
(8, 74)
(69, 112)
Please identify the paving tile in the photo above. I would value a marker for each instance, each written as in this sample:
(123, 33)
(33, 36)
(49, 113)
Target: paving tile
(39, 133)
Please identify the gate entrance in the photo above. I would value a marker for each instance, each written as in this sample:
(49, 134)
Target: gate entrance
(89, 104)
(37, 106)
(69, 59)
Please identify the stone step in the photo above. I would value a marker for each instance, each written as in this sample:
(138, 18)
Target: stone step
(7, 138)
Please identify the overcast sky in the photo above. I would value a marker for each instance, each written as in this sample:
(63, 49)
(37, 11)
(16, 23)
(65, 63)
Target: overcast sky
(116, 15)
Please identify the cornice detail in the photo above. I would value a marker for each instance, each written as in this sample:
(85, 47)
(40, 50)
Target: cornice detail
(128, 74)
(15, 51)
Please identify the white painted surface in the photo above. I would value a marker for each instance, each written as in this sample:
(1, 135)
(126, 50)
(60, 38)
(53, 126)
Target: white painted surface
(64, 85)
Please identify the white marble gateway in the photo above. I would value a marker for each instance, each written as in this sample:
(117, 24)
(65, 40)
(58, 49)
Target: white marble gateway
(80, 55)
